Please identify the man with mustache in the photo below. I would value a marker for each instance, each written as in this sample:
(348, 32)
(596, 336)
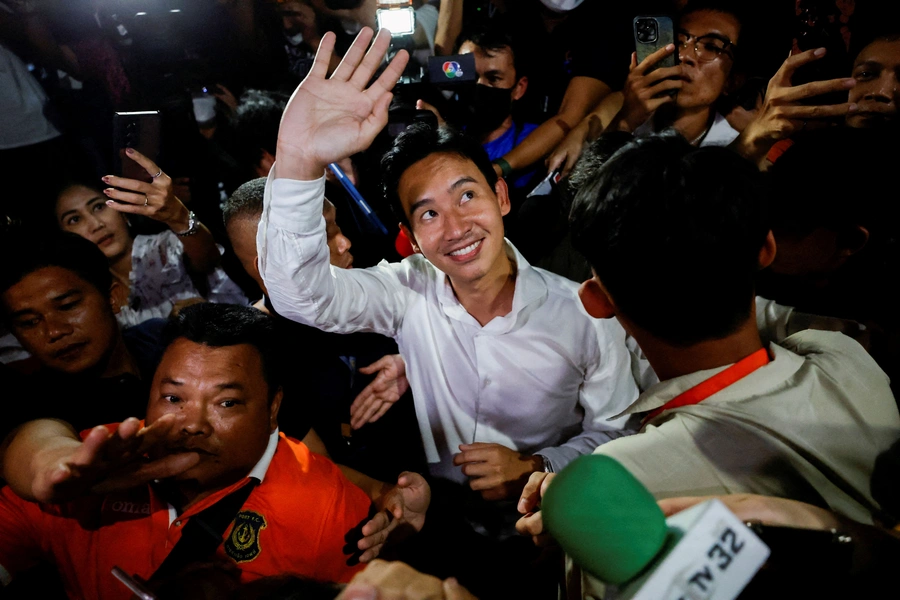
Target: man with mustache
(211, 439)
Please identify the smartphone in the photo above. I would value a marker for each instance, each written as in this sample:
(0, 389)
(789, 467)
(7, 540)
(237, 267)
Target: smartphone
(138, 130)
(651, 34)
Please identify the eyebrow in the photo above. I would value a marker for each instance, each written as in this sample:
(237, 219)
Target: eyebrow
(426, 201)
(869, 64)
(492, 73)
(712, 34)
(60, 298)
(63, 216)
(229, 385)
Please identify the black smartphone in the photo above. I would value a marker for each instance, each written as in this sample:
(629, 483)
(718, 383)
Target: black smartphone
(652, 34)
(138, 130)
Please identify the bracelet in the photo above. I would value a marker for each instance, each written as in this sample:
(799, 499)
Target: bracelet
(505, 168)
(193, 226)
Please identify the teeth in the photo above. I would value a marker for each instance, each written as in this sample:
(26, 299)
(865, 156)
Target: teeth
(465, 250)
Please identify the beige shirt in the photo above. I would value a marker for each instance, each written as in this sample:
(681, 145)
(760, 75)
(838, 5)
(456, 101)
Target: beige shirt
(807, 426)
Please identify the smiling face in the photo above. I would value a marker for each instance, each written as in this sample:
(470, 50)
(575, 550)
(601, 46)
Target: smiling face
(62, 320)
(84, 211)
(877, 89)
(705, 81)
(221, 401)
(455, 218)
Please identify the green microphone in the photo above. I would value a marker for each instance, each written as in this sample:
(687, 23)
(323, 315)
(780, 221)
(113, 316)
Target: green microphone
(605, 519)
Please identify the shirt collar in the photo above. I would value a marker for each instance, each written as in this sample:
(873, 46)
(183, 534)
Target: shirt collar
(720, 133)
(530, 288)
(262, 467)
(782, 366)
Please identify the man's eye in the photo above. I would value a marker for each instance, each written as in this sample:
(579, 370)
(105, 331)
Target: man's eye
(864, 75)
(428, 215)
(69, 305)
(710, 47)
(72, 220)
(468, 195)
(171, 398)
(229, 403)
(26, 323)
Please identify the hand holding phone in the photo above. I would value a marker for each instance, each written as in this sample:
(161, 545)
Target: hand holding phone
(654, 77)
(140, 131)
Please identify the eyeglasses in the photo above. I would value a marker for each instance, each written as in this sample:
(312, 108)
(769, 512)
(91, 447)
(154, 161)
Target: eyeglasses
(707, 48)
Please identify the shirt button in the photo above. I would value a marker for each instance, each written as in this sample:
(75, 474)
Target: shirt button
(178, 523)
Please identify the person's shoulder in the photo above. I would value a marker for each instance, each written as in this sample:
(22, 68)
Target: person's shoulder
(834, 352)
(559, 288)
(414, 272)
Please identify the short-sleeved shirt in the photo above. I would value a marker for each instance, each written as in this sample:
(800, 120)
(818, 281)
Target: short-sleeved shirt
(294, 522)
(504, 144)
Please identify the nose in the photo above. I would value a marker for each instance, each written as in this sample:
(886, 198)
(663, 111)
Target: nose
(687, 54)
(57, 328)
(456, 225)
(886, 91)
(194, 419)
(95, 223)
(343, 243)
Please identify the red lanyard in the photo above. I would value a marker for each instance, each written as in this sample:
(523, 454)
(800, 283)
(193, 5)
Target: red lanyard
(716, 383)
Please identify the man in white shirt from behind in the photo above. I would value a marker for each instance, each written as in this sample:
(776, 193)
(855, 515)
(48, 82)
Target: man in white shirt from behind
(509, 373)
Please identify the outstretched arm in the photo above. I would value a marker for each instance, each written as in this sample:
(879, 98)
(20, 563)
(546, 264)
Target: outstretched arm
(327, 119)
(46, 461)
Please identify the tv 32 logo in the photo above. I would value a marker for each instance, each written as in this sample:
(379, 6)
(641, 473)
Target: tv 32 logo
(452, 69)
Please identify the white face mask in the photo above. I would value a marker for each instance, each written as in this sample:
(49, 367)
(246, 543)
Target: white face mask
(295, 40)
(561, 6)
(204, 109)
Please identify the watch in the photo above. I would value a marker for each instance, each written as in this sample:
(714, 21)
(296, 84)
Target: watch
(546, 466)
(193, 226)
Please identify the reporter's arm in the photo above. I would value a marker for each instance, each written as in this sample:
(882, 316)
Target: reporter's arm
(582, 94)
(450, 17)
(29, 446)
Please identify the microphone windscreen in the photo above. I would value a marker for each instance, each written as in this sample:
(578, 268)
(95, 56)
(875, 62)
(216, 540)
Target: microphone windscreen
(604, 518)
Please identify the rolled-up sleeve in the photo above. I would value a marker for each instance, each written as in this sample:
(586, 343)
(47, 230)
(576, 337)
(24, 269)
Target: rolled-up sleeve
(301, 283)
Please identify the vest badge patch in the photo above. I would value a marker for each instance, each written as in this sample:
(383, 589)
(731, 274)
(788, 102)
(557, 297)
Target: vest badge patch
(242, 544)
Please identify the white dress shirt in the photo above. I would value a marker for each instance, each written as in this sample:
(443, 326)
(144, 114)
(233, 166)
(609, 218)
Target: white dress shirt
(544, 379)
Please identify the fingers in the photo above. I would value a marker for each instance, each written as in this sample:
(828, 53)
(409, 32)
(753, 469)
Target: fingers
(166, 467)
(633, 64)
(391, 75)
(372, 59)
(671, 506)
(454, 591)
(319, 69)
(531, 493)
(128, 198)
(147, 164)
(531, 524)
(384, 361)
(816, 88)
(653, 59)
(370, 410)
(663, 73)
(794, 62)
(385, 406)
(378, 524)
(802, 112)
(353, 56)
(556, 160)
(132, 185)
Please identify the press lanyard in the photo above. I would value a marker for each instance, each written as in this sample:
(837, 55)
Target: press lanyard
(716, 383)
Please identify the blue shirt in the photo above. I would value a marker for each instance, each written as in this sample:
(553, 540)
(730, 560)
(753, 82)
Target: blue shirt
(505, 143)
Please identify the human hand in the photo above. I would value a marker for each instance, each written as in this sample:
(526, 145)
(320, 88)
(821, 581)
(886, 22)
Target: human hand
(422, 105)
(567, 153)
(495, 470)
(644, 92)
(155, 200)
(768, 510)
(105, 462)
(532, 522)
(330, 119)
(377, 397)
(225, 96)
(782, 113)
(403, 506)
(382, 580)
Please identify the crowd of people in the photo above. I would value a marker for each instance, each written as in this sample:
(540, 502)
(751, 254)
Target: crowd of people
(338, 331)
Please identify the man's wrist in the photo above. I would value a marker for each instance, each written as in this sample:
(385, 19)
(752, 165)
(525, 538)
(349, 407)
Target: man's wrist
(503, 164)
(291, 164)
(542, 464)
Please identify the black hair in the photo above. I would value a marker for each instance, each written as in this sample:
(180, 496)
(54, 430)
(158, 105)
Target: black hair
(417, 142)
(27, 252)
(497, 34)
(594, 157)
(256, 120)
(674, 234)
(221, 325)
(246, 201)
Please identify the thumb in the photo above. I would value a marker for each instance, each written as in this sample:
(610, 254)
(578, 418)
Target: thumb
(633, 61)
(375, 366)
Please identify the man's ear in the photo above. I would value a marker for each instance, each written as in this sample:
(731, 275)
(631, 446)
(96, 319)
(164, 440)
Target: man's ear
(264, 165)
(117, 297)
(274, 407)
(519, 89)
(767, 252)
(502, 191)
(412, 239)
(596, 301)
(851, 241)
(256, 267)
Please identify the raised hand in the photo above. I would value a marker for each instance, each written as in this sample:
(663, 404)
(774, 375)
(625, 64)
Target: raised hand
(783, 112)
(494, 470)
(646, 90)
(377, 397)
(404, 506)
(105, 462)
(330, 119)
(155, 200)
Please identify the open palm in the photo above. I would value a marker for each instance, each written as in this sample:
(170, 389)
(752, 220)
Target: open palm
(329, 119)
